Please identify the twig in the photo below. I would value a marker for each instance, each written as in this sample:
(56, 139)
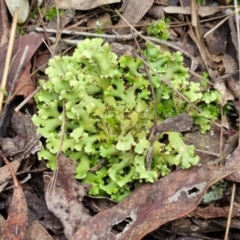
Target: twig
(86, 34)
(21, 182)
(27, 99)
(151, 88)
(8, 57)
(200, 77)
(230, 211)
(7, 179)
(167, 82)
(207, 152)
(63, 128)
(148, 157)
(98, 166)
(52, 182)
(16, 183)
(223, 77)
(59, 31)
(217, 26)
(238, 38)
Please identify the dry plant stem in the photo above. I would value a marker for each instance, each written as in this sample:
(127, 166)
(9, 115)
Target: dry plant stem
(27, 99)
(59, 33)
(217, 26)
(23, 172)
(238, 38)
(107, 27)
(63, 128)
(176, 24)
(221, 136)
(86, 34)
(21, 182)
(8, 57)
(197, 36)
(15, 181)
(42, 22)
(207, 152)
(52, 182)
(223, 77)
(200, 77)
(151, 88)
(166, 81)
(230, 211)
(151, 137)
(98, 166)
(47, 46)
(144, 24)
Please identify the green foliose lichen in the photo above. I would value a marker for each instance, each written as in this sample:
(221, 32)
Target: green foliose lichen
(109, 113)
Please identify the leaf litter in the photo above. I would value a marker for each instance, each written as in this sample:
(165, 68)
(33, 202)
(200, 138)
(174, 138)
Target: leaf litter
(151, 205)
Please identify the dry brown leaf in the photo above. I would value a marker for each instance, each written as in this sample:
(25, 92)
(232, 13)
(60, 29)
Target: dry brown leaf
(42, 61)
(37, 232)
(203, 11)
(65, 198)
(134, 6)
(25, 86)
(82, 4)
(16, 224)
(215, 212)
(216, 40)
(152, 205)
(224, 91)
(33, 41)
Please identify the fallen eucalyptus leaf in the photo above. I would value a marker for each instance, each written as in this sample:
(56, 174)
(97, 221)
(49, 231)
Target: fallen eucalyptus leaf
(152, 205)
(23, 9)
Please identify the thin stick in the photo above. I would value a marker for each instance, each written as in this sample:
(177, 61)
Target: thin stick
(86, 34)
(8, 57)
(238, 32)
(15, 181)
(234, 184)
(27, 99)
(151, 88)
(217, 26)
(167, 82)
(63, 129)
(230, 211)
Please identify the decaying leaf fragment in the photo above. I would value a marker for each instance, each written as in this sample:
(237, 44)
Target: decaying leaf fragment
(154, 204)
(16, 223)
(64, 199)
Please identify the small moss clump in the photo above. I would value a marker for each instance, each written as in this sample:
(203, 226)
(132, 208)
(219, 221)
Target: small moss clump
(159, 29)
